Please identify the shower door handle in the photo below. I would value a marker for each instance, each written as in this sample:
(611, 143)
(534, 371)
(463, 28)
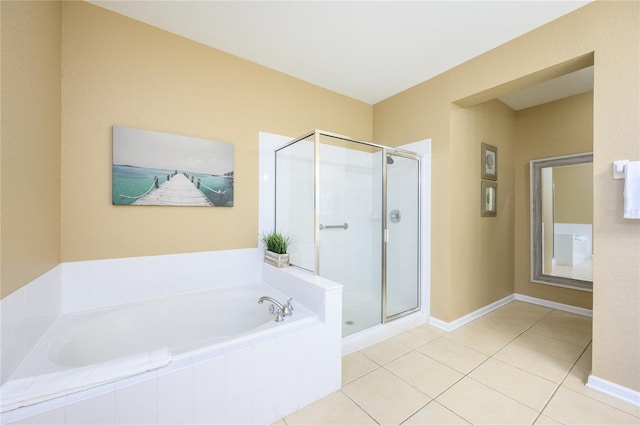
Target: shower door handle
(335, 226)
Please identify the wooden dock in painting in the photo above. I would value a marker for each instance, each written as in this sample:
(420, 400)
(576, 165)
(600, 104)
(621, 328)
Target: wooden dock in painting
(177, 191)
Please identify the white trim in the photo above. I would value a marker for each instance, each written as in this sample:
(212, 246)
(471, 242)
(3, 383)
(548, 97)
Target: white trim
(552, 304)
(614, 390)
(451, 326)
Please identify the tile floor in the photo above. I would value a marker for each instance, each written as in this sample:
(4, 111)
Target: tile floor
(520, 364)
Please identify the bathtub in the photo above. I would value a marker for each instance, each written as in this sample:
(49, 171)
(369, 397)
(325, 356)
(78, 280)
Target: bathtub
(229, 361)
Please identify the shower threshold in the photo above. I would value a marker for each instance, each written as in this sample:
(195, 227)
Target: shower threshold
(381, 332)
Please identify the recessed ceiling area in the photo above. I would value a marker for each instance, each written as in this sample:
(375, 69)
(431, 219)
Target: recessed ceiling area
(367, 50)
(571, 84)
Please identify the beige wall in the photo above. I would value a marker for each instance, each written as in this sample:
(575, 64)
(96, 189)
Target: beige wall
(117, 71)
(481, 247)
(120, 71)
(30, 165)
(611, 32)
(558, 128)
(574, 193)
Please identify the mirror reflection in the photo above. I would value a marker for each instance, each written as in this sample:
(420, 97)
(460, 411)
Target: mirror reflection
(567, 220)
(562, 221)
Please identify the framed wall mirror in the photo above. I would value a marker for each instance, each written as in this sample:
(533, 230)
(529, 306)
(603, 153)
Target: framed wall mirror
(562, 221)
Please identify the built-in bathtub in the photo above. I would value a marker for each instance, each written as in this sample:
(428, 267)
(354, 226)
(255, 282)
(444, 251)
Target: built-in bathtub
(183, 324)
(228, 360)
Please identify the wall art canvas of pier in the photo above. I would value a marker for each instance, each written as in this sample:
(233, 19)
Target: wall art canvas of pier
(152, 168)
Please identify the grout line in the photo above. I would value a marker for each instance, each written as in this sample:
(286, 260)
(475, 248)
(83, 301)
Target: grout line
(492, 356)
(361, 408)
(465, 375)
(586, 395)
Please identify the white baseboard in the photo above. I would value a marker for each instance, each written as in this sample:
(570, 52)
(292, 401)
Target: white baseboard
(614, 390)
(552, 304)
(451, 326)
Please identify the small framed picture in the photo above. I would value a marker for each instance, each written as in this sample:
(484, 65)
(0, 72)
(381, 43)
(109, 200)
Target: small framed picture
(488, 199)
(489, 162)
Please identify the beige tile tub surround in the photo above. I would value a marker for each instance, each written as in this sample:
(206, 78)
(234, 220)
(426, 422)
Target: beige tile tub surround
(536, 374)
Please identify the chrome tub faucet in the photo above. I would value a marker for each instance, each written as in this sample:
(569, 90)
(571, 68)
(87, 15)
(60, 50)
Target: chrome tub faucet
(278, 309)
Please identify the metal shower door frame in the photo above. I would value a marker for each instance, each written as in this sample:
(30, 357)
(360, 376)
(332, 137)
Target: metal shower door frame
(386, 150)
(385, 232)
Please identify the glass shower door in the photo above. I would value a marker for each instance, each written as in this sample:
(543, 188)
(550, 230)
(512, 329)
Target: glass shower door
(350, 228)
(402, 236)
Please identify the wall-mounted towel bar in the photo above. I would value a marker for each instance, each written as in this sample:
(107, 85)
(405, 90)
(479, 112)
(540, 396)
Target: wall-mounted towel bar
(618, 168)
(334, 226)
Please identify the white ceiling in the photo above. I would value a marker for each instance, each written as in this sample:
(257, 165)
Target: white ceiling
(368, 50)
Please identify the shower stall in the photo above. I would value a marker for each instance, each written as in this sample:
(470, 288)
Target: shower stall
(352, 209)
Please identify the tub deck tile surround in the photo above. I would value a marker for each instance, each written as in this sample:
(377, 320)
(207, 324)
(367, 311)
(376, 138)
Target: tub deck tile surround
(26, 314)
(256, 380)
(217, 386)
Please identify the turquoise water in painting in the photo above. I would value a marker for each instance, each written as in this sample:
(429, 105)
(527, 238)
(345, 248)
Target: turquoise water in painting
(131, 183)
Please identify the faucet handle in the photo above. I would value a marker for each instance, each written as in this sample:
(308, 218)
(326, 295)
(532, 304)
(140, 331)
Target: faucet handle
(289, 307)
(279, 316)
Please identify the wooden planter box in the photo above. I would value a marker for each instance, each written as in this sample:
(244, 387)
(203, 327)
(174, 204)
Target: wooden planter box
(277, 260)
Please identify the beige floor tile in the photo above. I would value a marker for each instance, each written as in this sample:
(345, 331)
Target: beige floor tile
(387, 398)
(482, 340)
(453, 354)
(480, 404)
(504, 327)
(525, 387)
(576, 381)
(278, 422)
(355, 365)
(336, 408)
(385, 351)
(570, 320)
(532, 361)
(550, 346)
(512, 321)
(523, 309)
(434, 413)
(577, 337)
(546, 420)
(569, 407)
(418, 336)
(584, 362)
(428, 375)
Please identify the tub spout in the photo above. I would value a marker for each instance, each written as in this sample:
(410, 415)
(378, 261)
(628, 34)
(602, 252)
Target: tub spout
(278, 309)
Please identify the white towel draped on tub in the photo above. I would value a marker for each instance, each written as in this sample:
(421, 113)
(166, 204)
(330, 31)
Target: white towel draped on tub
(632, 190)
(26, 391)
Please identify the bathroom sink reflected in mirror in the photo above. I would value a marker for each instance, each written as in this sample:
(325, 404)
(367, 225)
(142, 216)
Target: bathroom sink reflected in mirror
(562, 220)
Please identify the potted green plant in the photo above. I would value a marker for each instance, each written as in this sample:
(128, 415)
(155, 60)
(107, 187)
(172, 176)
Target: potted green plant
(276, 245)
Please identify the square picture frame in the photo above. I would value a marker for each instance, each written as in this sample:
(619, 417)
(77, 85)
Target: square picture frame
(488, 199)
(489, 162)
